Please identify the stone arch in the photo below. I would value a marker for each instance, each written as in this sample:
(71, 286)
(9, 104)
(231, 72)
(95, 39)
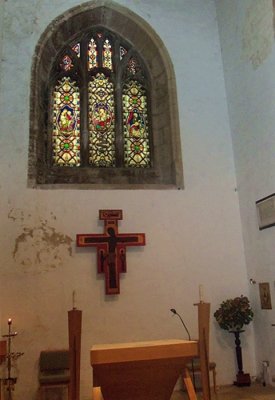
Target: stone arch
(167, 169)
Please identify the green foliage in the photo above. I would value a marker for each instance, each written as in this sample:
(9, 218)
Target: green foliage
(233, 314)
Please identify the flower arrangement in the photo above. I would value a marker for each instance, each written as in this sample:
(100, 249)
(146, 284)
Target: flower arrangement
(233, 314)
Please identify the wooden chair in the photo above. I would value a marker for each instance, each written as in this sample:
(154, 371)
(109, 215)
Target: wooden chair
(197, 369)
(54, 374)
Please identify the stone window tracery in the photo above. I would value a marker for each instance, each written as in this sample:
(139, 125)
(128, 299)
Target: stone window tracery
(103, 104)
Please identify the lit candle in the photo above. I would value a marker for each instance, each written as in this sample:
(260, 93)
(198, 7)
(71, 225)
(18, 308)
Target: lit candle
(9, 321)
(201, 293)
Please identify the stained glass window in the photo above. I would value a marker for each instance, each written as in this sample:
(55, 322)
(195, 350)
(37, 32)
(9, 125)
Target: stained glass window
(76, 49)
(101, 122)
(108, 127)
(135, 121)
(66, 124)
(122, 52)
(91, 130)
(92, 55)
(133, 66)
(66, 63)
(107, 55)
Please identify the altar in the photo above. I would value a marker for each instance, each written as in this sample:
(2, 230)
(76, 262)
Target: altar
(149, 370)
(141, 370)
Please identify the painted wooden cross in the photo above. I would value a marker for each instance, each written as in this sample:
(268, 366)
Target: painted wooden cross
(111, 248)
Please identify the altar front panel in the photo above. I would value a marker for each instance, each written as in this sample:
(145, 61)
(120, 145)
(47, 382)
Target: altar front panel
(135, 371)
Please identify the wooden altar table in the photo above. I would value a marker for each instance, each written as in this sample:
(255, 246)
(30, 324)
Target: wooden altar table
(142, 370)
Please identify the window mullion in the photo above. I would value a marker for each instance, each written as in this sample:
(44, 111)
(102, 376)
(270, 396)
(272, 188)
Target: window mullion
(84, 99)
(119, 110)
(119, 123)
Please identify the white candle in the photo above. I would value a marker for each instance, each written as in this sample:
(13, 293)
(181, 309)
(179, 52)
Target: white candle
(201, 293)
(74, 295)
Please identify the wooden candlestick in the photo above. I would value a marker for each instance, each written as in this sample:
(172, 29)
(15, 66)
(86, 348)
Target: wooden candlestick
(74, 323)
(203, 324)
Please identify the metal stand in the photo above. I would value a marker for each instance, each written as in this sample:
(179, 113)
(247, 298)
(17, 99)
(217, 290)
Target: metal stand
(10, 381)
(242, 379)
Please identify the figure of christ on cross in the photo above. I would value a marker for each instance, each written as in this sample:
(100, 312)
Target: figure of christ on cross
(111, 248)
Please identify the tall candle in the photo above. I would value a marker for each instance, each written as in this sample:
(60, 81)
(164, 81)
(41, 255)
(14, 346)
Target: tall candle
(201, 293)
(74, 295)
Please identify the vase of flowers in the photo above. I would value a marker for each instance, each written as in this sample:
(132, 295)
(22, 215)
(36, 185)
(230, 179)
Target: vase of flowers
(231, 316)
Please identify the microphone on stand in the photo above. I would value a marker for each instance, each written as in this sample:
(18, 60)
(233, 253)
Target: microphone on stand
(189, 338)
(185, 327)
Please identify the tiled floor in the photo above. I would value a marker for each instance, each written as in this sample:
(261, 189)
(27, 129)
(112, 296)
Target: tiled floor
(253, 392)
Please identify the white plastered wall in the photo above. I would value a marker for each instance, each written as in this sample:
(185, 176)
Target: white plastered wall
(247, 41)
(193, 236)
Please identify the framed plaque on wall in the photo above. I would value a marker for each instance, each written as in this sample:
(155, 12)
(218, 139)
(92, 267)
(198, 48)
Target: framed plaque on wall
(266, 211)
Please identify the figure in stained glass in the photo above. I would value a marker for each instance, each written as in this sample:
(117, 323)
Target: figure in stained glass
(102, 117)
(66, 124)
(102, 124)
(66, 120)
(136, 136)
(135, 124)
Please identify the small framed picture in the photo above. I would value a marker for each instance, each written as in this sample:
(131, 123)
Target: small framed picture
(265, 296)
(266, 211)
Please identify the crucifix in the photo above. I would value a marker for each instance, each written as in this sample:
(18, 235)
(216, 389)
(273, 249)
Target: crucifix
(111, 248)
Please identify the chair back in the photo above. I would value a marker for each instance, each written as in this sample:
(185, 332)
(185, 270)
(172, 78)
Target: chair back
(54, 367)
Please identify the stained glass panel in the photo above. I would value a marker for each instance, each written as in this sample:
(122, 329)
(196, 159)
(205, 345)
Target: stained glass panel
(66, 63)
(92, 54)
(122, 52)
(101, 145)
(76, 49)
(133, 66)
(107, 55)
(135, 122)
(101, 122)
(66, 124)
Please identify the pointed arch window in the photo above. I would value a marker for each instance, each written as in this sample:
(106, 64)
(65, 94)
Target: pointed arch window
(99, 105)
(103, 104)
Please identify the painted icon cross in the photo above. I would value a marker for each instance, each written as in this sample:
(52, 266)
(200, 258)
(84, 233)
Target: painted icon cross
(111, 248)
